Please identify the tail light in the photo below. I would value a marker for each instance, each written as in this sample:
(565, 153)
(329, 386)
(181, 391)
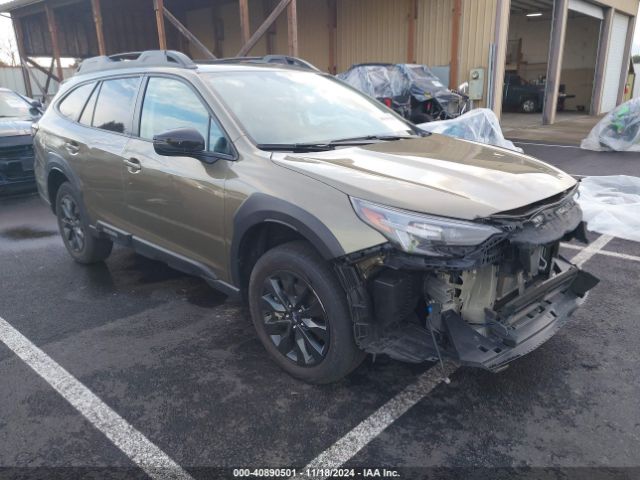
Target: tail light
(387, 102)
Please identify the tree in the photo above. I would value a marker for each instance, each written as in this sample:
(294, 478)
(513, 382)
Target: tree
(8, 52)
(635, 59)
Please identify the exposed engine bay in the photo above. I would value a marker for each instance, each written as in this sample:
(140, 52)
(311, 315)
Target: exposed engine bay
(484, 306)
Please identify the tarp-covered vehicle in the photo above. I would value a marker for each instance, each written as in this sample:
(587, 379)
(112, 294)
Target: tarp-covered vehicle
(413, 91)
(618, 131)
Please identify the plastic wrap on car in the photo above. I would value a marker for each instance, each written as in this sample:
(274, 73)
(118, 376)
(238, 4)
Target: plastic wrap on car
(387, 81)
(611, 205)
(379, 81)
(479, 125)
(618, 131)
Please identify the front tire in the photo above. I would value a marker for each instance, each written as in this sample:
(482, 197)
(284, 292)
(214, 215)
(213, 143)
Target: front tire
(74, 228)
(301, 315)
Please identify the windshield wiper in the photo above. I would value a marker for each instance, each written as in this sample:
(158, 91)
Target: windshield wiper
(324, 146)
(360, 140)
(296, 147)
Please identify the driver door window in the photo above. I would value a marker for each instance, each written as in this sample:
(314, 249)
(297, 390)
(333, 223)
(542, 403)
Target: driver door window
(170, 104)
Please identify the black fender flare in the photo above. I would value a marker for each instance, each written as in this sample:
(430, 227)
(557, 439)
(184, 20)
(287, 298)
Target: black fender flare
(261, 208)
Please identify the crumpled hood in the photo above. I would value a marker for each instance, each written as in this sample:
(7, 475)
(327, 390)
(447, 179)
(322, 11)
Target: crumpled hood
(437, 174)
(14, 127)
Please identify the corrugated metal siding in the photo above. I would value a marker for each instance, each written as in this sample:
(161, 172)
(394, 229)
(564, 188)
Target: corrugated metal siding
(200, 23)
(372, 31)
(313, 33)
(230, 15)
(11, 77)
(477, 29)
(313, 30)
(433, 32)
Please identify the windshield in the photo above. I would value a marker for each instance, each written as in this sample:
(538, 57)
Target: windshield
(12, 105)
(290, 107)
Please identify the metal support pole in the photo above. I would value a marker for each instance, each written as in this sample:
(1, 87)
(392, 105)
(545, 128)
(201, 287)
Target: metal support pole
(554, 68)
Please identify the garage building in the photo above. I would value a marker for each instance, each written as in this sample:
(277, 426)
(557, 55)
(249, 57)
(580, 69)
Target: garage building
(569, 48)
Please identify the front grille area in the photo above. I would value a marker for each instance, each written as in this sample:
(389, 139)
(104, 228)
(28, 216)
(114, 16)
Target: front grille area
(16, 152)
(16, 163)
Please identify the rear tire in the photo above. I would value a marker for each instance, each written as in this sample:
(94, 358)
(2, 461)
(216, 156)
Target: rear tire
(529, 105)
(74, 228)
(301, 315)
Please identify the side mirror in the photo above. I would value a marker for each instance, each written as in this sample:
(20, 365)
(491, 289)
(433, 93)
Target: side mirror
(182, 142)
(36, 104)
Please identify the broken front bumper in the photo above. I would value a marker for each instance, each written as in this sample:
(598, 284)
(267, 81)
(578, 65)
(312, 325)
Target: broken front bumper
(521, 325)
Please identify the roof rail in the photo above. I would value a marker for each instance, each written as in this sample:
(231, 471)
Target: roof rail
(271, 59)
(148, 58)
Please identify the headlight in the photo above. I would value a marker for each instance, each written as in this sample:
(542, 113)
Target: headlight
(422, 234)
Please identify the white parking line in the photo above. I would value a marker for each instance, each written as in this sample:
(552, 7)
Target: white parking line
(354, 441)
(361, 435)
(590, 250)
(624, 256)
(133, 444)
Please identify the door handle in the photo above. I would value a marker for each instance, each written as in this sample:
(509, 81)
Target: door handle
(133, 164)
(72, 147)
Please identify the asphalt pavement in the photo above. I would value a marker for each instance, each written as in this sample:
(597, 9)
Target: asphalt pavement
(181, 365)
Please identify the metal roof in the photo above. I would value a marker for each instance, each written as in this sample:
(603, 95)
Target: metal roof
(14, 4)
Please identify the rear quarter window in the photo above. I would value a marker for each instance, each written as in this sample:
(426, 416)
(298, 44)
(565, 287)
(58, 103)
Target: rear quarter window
(72, 104)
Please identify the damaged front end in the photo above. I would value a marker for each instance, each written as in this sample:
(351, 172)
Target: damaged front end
(483, 305)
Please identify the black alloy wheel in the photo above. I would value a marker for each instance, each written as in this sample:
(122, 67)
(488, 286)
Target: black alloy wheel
(71, 223)
(295, 319)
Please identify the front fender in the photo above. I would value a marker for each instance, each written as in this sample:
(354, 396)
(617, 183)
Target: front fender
(260, 208)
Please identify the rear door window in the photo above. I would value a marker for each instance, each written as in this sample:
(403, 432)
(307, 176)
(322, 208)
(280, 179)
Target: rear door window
(72, 104)
(114, 107)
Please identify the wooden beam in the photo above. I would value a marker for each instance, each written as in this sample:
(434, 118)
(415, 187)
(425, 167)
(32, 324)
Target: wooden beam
(187, 34)
(554, 67)
(292, 27)
(17, 28)
(411, 31)
(42, 69)
(601, 62)
(628, 45)
(333, 36)
(454, 75)
(97, 20)
(158, 6)
(53, 31)
(49, 75)
(262, 29)
(245, 28)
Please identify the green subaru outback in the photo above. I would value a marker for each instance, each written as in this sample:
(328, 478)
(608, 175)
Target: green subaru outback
(347, 229)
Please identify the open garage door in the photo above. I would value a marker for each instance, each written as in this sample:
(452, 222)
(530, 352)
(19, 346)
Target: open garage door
(615, 59)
